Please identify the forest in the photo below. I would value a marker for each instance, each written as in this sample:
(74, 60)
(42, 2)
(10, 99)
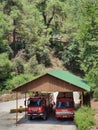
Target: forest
(31, 31)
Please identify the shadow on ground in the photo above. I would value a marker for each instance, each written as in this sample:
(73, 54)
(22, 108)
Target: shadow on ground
(51, 120)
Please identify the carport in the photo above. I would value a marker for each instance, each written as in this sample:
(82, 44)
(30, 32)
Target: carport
(53, 81)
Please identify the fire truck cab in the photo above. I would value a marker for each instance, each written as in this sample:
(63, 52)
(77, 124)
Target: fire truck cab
(64, 107)
(37, 107)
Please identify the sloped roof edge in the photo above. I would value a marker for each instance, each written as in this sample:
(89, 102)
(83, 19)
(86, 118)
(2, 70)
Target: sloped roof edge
(70, 78)
(65, 76)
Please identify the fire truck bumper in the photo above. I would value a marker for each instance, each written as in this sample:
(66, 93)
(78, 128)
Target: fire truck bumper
(67, 115)
(35, 115)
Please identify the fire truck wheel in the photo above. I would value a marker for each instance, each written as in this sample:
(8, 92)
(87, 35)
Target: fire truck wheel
(29, 118)
(58, 118)
(45, 116)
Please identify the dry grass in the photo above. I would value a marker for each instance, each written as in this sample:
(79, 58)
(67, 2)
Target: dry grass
(10, 96)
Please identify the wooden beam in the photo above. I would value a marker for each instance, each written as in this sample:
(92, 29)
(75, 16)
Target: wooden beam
(49, 84)
(82, 93)
(25, 104)
(16, 108)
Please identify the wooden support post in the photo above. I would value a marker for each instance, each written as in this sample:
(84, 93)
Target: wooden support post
(25, 104)
(82, 99)
(16, 108)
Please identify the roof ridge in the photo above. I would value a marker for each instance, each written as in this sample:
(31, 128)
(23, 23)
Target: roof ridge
(70, 78)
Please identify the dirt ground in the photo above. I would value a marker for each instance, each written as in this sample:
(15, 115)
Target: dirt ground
(94, 105)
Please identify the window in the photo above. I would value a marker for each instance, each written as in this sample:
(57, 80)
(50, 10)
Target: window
(64, 104)
(35, 103)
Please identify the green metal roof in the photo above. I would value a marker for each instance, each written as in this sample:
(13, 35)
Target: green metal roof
(70, 78)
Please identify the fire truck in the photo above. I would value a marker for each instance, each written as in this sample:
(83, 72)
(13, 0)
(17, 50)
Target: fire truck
(64, 106)
(39, 107)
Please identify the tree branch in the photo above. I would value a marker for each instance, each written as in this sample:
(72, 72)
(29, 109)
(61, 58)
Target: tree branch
(49, 21)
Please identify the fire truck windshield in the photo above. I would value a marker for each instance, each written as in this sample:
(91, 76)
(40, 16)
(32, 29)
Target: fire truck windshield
(34, 103)
(64, 105)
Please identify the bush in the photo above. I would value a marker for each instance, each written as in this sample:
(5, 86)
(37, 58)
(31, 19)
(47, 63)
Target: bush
(43, 57)
(33, 67)
(95, 95)
(18, 66)
(84, 118)
(5, 66)
(17, 81)
(5, 48)
(70, 57)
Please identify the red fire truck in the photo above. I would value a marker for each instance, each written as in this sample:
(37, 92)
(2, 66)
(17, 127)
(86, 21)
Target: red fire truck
(39, 106)
(64, 107)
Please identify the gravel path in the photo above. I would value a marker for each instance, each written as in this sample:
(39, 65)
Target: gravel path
(6, 106)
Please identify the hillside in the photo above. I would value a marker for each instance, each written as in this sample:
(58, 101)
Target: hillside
(37, 36)
(56, 63)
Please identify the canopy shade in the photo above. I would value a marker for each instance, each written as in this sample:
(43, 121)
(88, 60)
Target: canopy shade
(55, 80)
(70, 78)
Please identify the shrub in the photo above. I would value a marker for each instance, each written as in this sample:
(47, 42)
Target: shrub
(18, 80)
(5, 66)
(43, 57)
(84, 118)
(5, 48)
(18, 66)
(33, 67)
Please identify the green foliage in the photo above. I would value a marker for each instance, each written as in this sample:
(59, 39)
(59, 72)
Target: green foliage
(81, 25)
(43, 57)
(18, 66)
(4, 24)
(30, 29)
(5, 66)
(2, 86)
(70, 56)
(92, 78)
(5, 48)
(33, 67)
(84, 118)
(18, 80)
(88, 54)
(95, 95)
(88, 19)
(58, 47)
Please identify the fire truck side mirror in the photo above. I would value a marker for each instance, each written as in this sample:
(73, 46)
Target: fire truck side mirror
(25, 103)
